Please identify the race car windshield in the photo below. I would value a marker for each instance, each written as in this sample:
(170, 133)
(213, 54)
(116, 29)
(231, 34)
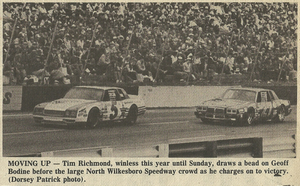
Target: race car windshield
(85, 93)
(243, 95)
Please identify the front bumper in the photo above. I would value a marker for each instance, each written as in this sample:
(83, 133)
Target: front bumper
(219, 117)
(57, 120)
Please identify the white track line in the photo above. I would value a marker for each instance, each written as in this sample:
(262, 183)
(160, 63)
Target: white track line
(33, 132)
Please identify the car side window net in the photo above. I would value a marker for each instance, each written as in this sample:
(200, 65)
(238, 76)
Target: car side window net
(263, 97)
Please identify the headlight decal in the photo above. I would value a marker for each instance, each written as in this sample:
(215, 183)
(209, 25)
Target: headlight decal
(71, 113)
(231, 111)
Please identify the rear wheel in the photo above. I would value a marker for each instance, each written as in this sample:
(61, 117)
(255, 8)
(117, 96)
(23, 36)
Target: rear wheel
(93, 118)
(132, 115)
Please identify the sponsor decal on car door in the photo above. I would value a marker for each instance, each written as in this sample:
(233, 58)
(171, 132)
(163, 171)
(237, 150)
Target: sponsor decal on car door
(264, 104)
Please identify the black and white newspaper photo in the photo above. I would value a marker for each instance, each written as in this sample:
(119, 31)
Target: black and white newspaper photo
(149, 93)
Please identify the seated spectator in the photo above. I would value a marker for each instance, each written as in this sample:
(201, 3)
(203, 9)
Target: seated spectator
(129, 74)
(142, 71)
(178, 68)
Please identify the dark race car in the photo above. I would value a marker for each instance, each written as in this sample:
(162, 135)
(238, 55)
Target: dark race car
(245, 106)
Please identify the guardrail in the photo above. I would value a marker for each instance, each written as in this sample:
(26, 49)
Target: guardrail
(243, 147)
(250, 146)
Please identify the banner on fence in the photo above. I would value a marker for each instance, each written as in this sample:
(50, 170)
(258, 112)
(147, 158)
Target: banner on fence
(12, 98)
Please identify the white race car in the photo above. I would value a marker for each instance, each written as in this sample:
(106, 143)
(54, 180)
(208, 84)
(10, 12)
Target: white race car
(91, 105)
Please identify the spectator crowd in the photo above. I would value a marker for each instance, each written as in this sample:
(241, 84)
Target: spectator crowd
(128, 42)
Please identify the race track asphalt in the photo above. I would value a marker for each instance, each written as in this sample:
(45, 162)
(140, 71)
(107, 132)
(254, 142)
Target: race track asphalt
(21, 136)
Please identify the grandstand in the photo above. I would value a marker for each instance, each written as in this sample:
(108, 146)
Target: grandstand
(180, 43)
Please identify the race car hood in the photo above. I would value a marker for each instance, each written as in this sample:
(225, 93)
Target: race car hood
(63, 104)
(226, 103)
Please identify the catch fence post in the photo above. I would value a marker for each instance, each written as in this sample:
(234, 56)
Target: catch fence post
(211, 149)
(107, 152)
(257, 148)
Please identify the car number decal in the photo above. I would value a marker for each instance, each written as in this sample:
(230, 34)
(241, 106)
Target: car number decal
(115, 112)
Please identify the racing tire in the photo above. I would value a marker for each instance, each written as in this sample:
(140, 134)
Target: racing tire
(250, 117)
(132, 116)
(93, 118)
(280, 114)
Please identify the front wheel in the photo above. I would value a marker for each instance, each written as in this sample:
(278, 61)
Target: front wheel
(132, 116)
(250, 117)
(280, 114)
(93, 118)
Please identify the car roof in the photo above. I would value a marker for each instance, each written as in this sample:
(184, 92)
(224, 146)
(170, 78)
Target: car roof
(98, 87)
(252, 89)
